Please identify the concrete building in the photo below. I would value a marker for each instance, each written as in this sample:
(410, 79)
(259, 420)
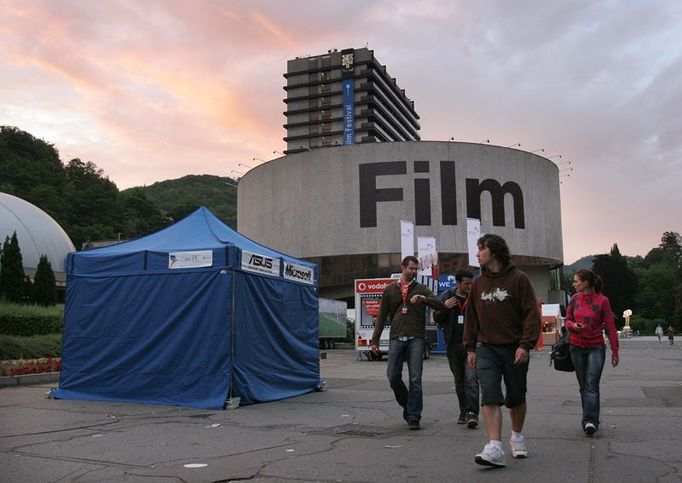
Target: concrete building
(341, 207)
(342, 98)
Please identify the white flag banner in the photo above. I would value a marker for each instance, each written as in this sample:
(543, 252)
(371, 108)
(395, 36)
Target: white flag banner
(428, 257)
(473, 234)
(406, 239)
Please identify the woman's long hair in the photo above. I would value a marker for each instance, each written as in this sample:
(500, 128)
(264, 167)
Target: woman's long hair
(592, 279)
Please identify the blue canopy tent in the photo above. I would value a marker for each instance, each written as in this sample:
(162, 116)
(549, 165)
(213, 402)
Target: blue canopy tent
(192, 315)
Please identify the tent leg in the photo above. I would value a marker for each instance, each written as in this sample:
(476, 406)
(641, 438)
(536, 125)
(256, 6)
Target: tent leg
(232, 402)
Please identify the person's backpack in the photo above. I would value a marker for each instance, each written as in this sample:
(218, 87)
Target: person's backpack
(559, 356)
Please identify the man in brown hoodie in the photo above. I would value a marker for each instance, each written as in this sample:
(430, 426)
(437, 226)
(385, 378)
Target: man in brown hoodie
(502, 325)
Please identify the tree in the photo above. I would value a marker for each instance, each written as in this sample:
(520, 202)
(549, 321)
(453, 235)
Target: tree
(45, 285)
(656, 295)
(94, 210)
(30, 169)
(12, 271)
(668, 251)
(28, 296)
(141, 216)
(661, 278)
(620, 282)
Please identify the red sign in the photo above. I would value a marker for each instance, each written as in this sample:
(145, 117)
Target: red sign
(372, 306)
(373, 285)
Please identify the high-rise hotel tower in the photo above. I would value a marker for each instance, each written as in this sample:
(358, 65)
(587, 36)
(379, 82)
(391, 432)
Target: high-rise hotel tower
(345, 97)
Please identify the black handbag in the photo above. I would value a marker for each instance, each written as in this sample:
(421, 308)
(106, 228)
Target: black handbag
(560, 355)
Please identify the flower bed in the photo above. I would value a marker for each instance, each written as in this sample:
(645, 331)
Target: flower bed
(21, 367)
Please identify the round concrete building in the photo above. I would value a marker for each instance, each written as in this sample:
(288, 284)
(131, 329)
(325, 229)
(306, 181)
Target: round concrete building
(341, 207)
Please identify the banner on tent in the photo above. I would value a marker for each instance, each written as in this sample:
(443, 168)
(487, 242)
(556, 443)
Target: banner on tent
(194, 259)
(299, 273)
(255, 262)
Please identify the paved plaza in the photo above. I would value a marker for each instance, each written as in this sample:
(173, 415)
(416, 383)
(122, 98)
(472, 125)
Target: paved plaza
(353, 432)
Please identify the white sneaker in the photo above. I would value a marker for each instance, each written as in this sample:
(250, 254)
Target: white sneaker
(518, 446)
(492, 455)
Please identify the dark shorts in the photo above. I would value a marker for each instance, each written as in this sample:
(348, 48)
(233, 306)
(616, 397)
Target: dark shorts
(495, 364)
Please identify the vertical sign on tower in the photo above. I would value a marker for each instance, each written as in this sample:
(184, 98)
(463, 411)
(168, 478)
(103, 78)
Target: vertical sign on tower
(347, 74)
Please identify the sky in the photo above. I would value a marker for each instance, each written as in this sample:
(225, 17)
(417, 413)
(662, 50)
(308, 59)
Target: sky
(159, 89)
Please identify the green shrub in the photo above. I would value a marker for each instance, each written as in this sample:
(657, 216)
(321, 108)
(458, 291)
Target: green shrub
(646, 326)
(17, 347)
(350, 331)
(28, 320)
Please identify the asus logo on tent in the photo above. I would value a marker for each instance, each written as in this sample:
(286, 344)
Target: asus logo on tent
(260, 261)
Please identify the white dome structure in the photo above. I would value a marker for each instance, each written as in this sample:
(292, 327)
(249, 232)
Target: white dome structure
(38, 234)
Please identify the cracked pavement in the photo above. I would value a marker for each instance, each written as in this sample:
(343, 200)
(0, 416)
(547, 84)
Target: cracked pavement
(354, 432)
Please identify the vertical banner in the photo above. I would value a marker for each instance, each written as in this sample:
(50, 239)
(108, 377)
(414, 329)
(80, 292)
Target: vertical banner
(427, 254)
(473, 234)
(406, 239)
(348, 94)
(348, 112)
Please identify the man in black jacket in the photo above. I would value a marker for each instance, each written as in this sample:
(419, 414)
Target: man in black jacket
(452, 323)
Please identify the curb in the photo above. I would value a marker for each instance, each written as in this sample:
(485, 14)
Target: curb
(28, 379)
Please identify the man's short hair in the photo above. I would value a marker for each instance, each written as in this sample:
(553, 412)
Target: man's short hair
(497, 246)
(406, 261)
(463, 273)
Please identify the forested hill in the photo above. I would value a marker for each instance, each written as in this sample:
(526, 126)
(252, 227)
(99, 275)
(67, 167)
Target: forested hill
(179, 197)
(89, 206)
(583, 262)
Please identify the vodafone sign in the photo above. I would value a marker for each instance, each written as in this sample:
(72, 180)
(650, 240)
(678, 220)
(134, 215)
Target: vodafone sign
(372, 285)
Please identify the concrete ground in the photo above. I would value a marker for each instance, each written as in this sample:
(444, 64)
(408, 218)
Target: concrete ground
(354, 432)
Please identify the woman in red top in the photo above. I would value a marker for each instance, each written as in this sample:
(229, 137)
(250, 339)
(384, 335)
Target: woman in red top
(588, 314)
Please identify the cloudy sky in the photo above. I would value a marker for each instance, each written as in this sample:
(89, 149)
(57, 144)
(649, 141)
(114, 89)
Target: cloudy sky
(157, 89)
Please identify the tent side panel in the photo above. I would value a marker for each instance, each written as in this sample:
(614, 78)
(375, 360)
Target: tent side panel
(157, 339)
(276, 353)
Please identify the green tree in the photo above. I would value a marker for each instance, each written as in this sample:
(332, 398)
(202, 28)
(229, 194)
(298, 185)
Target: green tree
(28, 295)
(656, 295)
(45, 285)
(31, 170)
(95, 213)
(12, 271)
(141, 216)
(620, 282)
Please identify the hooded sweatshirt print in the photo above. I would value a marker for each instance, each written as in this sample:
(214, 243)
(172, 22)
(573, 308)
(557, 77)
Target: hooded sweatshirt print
(502, 310)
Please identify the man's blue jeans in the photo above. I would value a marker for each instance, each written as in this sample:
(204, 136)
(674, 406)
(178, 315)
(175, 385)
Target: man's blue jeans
(588, 368)
(412, 351)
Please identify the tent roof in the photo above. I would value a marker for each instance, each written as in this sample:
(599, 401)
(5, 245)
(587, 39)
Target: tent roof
(200, 230)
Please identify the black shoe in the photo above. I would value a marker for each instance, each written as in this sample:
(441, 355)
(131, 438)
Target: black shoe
(461, 419)
(590, 429)
(413, 424)
(471, 419)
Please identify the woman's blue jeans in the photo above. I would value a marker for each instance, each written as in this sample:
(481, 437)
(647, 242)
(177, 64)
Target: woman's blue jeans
(589, 364)
(412, 351)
